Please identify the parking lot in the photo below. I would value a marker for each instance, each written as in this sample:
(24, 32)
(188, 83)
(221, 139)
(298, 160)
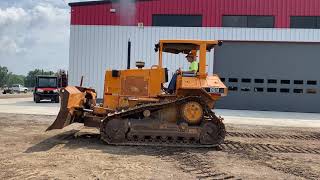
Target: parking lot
(259, 145)
(25, 105)
(15, 95)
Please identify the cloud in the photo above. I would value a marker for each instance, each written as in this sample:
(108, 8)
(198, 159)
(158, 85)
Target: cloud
(12, 24)
(12, 16)
(38, 24)
(8, 45)
(34, 34)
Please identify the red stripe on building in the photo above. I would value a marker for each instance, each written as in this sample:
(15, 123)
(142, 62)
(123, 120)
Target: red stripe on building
(211, 11)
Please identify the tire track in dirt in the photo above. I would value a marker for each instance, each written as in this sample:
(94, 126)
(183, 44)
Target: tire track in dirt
(239, 146)
(24, 173)
(273, 136)
(190, 162)
(263, 154)
(285, 165)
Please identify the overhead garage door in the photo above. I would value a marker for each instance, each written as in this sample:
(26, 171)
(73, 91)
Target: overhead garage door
(278, 76)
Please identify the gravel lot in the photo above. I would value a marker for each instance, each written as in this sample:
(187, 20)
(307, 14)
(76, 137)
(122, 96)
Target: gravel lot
(251, 151)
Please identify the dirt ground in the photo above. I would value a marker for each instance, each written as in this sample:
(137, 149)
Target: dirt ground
(250, 152)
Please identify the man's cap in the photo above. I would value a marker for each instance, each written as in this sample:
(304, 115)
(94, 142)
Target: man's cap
(192, 53)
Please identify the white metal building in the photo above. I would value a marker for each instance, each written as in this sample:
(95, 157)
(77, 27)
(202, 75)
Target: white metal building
(99, 45)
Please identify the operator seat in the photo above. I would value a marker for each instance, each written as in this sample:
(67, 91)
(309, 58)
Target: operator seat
(190, 74)
(173, 82)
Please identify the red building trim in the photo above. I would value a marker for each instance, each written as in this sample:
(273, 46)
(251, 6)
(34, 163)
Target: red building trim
(211, 10)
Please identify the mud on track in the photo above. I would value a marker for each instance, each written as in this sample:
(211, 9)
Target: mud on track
(250, 152)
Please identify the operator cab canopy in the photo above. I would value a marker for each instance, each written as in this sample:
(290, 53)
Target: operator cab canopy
(184, 46)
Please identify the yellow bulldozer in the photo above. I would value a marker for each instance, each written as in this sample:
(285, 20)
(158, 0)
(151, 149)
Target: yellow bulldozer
(138, 110)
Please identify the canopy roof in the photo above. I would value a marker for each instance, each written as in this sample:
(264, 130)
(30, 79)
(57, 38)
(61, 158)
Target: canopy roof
(185, 46)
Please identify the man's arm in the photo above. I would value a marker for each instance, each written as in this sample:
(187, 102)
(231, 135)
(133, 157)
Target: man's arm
(179, 71)
(193, 67)
(192, 71)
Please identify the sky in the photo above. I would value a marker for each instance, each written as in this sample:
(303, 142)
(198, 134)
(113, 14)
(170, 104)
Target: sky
(34, 34)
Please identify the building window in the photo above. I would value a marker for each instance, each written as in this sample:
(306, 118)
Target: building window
(284, 90)
(311, 82)
(305, 22)
(285, 81)
(261, 21)
(246, 89)
(233, 80)
(177, 20)
(259, 80)
(248, 21)
(298, 81)
(234, 21)
(258, 89)
(297, 90)
(246, 80)
(272, 81)
(272, 90)
(233, 88)
(222, 79)
(311, 91)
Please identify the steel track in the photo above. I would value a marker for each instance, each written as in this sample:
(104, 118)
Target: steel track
(144, 142)
(163, 141)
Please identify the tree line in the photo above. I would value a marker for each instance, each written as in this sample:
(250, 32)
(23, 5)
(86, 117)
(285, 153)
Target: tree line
(8, 78)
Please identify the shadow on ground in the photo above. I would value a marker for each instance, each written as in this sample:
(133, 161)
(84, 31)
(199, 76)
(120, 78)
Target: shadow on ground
(72, 141)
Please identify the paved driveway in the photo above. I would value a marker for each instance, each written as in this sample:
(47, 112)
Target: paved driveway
(269, 118)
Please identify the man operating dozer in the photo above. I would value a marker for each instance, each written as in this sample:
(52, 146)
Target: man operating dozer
(193, 69)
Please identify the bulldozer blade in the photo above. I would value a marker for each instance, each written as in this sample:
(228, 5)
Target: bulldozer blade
(71, 98)
(63, 119)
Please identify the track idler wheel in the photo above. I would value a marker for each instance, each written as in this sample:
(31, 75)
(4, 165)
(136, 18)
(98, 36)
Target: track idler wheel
(114, 131)
(211, 134)
(192, 112)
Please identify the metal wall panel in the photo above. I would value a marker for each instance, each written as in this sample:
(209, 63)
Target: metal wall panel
(269, 60)
(93, 49)
(211, 10)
